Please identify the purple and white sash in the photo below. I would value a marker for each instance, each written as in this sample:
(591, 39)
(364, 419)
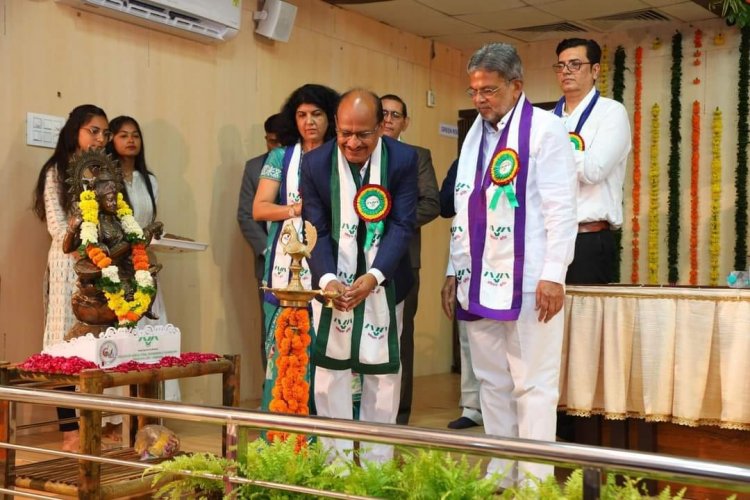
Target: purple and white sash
(487, 245)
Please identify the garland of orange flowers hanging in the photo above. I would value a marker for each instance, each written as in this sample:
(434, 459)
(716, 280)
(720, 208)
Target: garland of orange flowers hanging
(673, 172)
(714, 247)
(634, 274)
(291, 392)
(694, 164)
(653, 194)
(602, 81)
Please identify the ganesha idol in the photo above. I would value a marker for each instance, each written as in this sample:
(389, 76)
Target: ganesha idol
(116, 280)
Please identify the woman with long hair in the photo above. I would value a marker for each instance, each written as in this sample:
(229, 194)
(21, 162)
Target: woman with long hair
(86, 127)
(308, 120)
(142, 192)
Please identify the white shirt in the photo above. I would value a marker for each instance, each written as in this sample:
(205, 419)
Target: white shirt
(601, 166)
(551, 227)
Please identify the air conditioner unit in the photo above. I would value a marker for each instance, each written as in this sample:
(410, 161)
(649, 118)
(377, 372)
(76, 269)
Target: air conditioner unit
(207, 21)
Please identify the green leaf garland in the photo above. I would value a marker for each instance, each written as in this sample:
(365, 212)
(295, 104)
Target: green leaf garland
(740, 219)
(673, 173)
(618, 78)
(618, 89)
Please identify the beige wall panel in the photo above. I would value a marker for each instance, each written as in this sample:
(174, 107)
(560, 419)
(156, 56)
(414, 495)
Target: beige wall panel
(201, 108)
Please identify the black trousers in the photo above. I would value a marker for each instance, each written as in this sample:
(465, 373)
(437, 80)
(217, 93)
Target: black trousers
(65, 413)
(407, 352)
(593, 264)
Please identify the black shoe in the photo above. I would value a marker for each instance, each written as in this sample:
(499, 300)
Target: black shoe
(462, 423)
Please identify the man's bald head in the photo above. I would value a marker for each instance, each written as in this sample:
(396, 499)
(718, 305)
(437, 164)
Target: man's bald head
(358, 97)
(358, 119)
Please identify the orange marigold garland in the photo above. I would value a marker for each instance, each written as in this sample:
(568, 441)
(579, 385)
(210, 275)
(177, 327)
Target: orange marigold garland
(694, 164)
(653, 194)
(714, 247)
(634, 275)
(291, 392)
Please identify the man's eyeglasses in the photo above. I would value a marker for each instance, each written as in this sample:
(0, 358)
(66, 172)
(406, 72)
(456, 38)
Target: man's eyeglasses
(486, 92)
(573, 66)
(395, 115)
(97, 132)
(362, 136)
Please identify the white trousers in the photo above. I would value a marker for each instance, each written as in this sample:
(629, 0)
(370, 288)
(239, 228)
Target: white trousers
(380, 398)
(517, 364)
(469, 383)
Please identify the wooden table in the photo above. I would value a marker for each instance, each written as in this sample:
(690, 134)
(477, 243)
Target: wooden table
(143, 383)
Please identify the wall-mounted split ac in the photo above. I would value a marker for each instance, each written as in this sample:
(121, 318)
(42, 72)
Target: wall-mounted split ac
(207, 21)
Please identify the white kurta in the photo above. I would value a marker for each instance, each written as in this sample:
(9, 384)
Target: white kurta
(517, 362)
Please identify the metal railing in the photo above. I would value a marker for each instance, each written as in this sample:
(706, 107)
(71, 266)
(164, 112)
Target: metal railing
(594, 460)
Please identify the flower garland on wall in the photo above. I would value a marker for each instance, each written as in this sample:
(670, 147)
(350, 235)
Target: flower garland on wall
(694, 164)
(634, 274)
(618, 89)
(653, 194)
(128, 311)
(602, 81)
(743, 132)
(673, 202)
(697, 43)
(714, 247)
(291, 393)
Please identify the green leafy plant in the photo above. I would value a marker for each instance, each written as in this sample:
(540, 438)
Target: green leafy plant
(734, 11)
(430, 474)
(412, 475)
(176, 486)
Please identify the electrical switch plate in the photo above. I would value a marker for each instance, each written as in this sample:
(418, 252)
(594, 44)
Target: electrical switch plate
(42, 130)
(431, 99)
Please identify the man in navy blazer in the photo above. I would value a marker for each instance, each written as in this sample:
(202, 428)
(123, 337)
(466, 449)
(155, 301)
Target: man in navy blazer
(380, 170)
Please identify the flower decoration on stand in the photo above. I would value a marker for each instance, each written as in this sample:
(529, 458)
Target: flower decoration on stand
(653, 194)
(694, 205)
(128, 311)
(714, 247)
(291, 393)
(634, 274)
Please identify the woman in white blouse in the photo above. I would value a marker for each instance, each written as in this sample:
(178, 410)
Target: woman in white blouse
(85, 128)
(142, 192)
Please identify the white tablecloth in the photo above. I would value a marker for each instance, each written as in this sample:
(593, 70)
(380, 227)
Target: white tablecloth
(666, 354)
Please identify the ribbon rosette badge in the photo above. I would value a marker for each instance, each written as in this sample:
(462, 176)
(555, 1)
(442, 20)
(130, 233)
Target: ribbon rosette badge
(372, 204)
(577, 141)
(503, 171)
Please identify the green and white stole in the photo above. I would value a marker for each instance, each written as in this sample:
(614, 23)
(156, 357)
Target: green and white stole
(365, 339)
(289, 195)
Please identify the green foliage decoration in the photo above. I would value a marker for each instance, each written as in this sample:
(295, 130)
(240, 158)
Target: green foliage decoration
(618, 91)
(734, 11)
(743, 134)
(673, 173)
(412, 475)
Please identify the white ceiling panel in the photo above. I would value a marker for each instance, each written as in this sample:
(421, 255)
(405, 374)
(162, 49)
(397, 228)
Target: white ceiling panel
(453, 7)
(469, 24)
(513, 18)
(412, 17)
(574, 10)
(473, 41)
(687, 11)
